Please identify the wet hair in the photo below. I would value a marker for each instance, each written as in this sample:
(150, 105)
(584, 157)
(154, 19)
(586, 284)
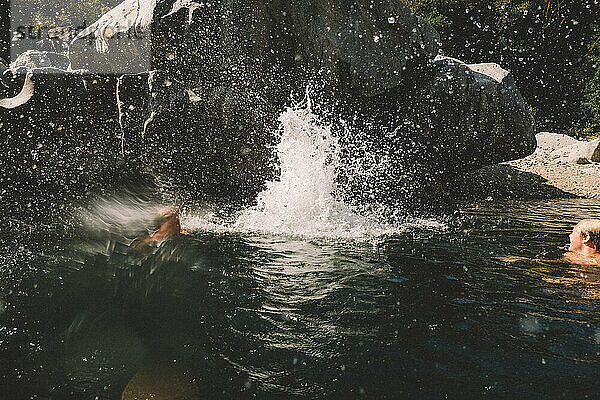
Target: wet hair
(590, 227)
(164, 216)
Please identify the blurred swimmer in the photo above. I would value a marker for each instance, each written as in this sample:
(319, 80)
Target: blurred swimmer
(167, 226)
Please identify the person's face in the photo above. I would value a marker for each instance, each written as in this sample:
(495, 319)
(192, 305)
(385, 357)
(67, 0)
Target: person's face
(576, 240)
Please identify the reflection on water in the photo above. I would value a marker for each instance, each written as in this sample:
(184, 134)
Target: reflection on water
(422, 313)
(582, 278)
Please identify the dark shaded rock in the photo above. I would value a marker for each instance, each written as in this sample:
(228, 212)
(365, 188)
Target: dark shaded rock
(478, 119)
(367, 46)
(58, 39)
(446, 121)
(206, 117)
(596, 154)
(56, 142)
(213, 145)
(41, 59)
(59, 147)
(5, 31)
(363, 45)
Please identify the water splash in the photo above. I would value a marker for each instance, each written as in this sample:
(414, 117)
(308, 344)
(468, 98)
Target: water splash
(302, 202)
(126, 215)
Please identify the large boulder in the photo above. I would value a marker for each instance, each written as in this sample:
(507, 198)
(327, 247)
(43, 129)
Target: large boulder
(555, 147)
(206, 115)
(474, 113)
(75, 131)
(209, 143)
(451, 119)
(55, 139)
(367, 46)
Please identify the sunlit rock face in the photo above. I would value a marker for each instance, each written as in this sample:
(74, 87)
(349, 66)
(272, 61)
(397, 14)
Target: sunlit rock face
(32, 59)
(205, 113)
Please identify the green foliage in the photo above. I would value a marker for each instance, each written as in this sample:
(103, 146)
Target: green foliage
(592, 93)
(427, 10)
(544, 43)
(67, 12)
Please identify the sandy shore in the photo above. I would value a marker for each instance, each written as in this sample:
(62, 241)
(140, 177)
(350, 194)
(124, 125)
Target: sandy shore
(550, 172)
(582, 180)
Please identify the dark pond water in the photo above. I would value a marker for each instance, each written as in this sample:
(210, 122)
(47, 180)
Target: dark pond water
(425, 312)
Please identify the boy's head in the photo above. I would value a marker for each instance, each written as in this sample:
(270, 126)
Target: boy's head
(585, 236)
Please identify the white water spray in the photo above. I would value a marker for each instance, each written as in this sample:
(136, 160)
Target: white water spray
(302, 202)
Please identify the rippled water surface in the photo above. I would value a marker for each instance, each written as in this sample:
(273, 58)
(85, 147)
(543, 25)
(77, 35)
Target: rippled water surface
(428, 311)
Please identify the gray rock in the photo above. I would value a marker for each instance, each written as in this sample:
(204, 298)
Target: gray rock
(553, 141)
(448, 120)
(56, 143)
(492, 70)
(367, 46)
(62, 145)
(32, 59)
(567, 149)
(589, 150)
(207, 115)
(475, 113)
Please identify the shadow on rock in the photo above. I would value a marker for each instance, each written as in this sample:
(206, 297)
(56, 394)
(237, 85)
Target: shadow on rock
(499, 182)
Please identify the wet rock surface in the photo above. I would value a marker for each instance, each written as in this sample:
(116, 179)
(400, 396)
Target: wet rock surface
(206, 116)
